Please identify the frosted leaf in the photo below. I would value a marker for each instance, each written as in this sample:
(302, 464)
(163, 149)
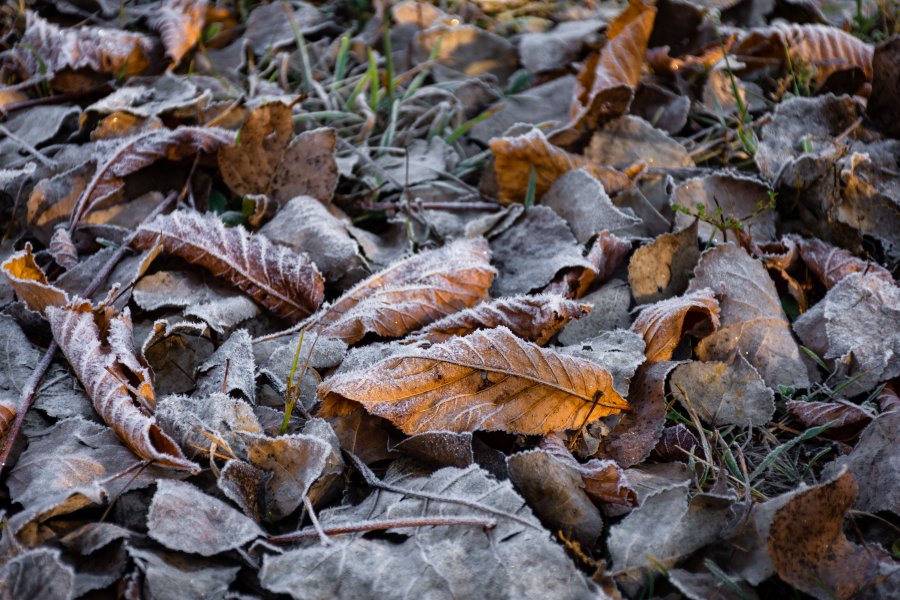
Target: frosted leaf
(664, 323)
(270, 28)
(620, 352)
(276, 357)
(662, 268)
(752, 320)
(724, 393)
(38, 574)
(422, 161)
(36, 126)
(410, 293)
(231, 369)
(172, 575)
(555, 49)
(537, 104)
(737, 197)
(848, 418)
(180, 24)
(609, 311)
(245, 485)
(223, 417)
(831, 264)
(442, 448)
(629, 140)
(605, 255)
(30, 282)
(184, 518)
(704, 585)
(166, 94)
(284, 281)
(580, 199)
(517, 560)
(173, 352)
(465, 51)
(603, 480)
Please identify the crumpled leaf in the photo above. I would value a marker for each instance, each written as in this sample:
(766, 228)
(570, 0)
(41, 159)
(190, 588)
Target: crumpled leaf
(741, 198)
(283, 281)
(603, 480)
(140, 151)
(661, 269)
(47, 48)
(197, 421)
(62, 249)
(99, 347)
(36, 127)
(724, 393)
(40, 574)
(873, 464)
(664, 323)
(809, 549)
(515, 157)
(180, 23)
(410, 293)
(831, 264)
(8, 413)
(606, 81)
(753, 322)
(534, 318)
(183, 518)
(168, 95)
(518, 560)
(30, 283)
(489, 380)
(860, 318)
(268, 161)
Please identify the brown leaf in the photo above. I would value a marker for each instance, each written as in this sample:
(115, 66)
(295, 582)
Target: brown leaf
(179, 23)
(737, 197)
(62, 249)
(30, 283)
(141, 151)
(603, 480)
(606, 254)
(410, 293)
(268, 162)
(8, 413)
(831, 264)
(282, 280)
(809, 549)
(535, 318)
(98, 345)
(606, 81)
(515, 157)
(676, 443)
(661, 269)
(489, 380)
(47, 48)
(664, 323)
(849, 418)
(882, 106)
(724, 393)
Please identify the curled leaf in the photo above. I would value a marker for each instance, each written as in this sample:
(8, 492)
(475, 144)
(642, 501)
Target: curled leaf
(8, 413)
(848, 418)
(282, 280)
(410, 293)
(664, 323)
(489, 380)
(30, 282)
(99, 347)
(62, 249)
(831, 264)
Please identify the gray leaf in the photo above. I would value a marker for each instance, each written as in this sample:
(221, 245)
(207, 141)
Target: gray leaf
(37, 575)
(620, 352)
(169, 575)
(231, 369)
(737, 197)
(580, 199)
(610, 311)
(724, 393)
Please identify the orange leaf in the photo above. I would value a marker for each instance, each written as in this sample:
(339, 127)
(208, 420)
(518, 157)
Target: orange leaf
(489, 380)
(606, 254)
(180, 23)
(98, 345)
(664, 323)
(410, 293)
(30, 283)
(284, 281)
(8, 413)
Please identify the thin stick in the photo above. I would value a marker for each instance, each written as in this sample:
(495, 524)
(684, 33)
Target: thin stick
(50, 164)
(380, 525)
(317, 527)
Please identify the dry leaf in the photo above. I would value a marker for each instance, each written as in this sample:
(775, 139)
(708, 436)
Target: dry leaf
(631, 140)
(661, 269)
(849, 419)
(489, 380)
(604, 257)
(620, 352)
(831, 264)
(663, 324)
(174, 575)
(8, 413)
(534, 318)
(39, 573)
(410, 293)
(465, 51)
(267, 161)
(515, 157)
(606, 81)
(677, 442)
(62, 249)
(30, 283)
(881, 107)
(742, 198)
(752, 321)
(180, 23)
(724, 393)
(283, 281)
(99, 348)
(610, 311)
(603, 480)
(141, 151)
(555, 49)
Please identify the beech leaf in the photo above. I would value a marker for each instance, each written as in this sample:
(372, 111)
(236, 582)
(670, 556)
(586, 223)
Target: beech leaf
(724, 393)
(661, 269)
(488, 380)
(284, 281)
(664, 323)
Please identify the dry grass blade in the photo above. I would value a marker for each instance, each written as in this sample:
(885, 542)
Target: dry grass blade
(98, 345)
(284, 281)
(141, 151)
(489, 380)
(30, 282)
(663, 324)
(534, 318)
(411, 293)
(179, 23)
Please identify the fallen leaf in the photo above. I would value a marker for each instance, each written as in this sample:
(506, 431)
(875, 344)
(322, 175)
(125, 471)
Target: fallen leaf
(831, 264)
(710, 586)
(661, 269)
(174, 575)
(441, 448)
(8, 413)
(752, 320)
(489, 380)
(284, 281)
(722, 196)
(555, 49)
(534, 318)
(183, 518)
(664, 323)
(724, 393)
(245, 485)
(30, 283)
(881, 107)
(465, 51)
(272, 26)
(603, 480)
(610, 311)
(180, 23)
(620, 352)
(268, 161)
(849, 419)
(516, 157)
(39, 573)
(535, 105)
(62, 249)
(410, 293)
(231, 369)
(677, 442)
(631, 140)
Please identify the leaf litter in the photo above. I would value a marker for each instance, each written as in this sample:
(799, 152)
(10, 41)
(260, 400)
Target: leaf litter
(415, 299)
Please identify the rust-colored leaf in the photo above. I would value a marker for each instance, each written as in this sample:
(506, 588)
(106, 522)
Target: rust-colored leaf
(179, 23)
(535, 318)
(606, 81)
(664, 323)
(831, 264)
(410, 293)
(98, 345)
(141, 151)
(8, 413)
(849, 419)
(606, 254)
(515, 157)
(30, 282)
(489, 380)
(603, 480)
(284, 281)
(62, 249)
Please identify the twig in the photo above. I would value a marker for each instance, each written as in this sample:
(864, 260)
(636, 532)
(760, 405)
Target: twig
(317, 527)
(50, 164)
(380, 525)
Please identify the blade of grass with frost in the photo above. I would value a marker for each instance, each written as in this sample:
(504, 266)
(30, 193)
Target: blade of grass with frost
(724, 578)
(388, 136)
(532, 188)
(328, 115)
(289, 404)
(389, 64)
(375, 84)
(815, 357)
(340, 65)
(465, 127)
(779, 450)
